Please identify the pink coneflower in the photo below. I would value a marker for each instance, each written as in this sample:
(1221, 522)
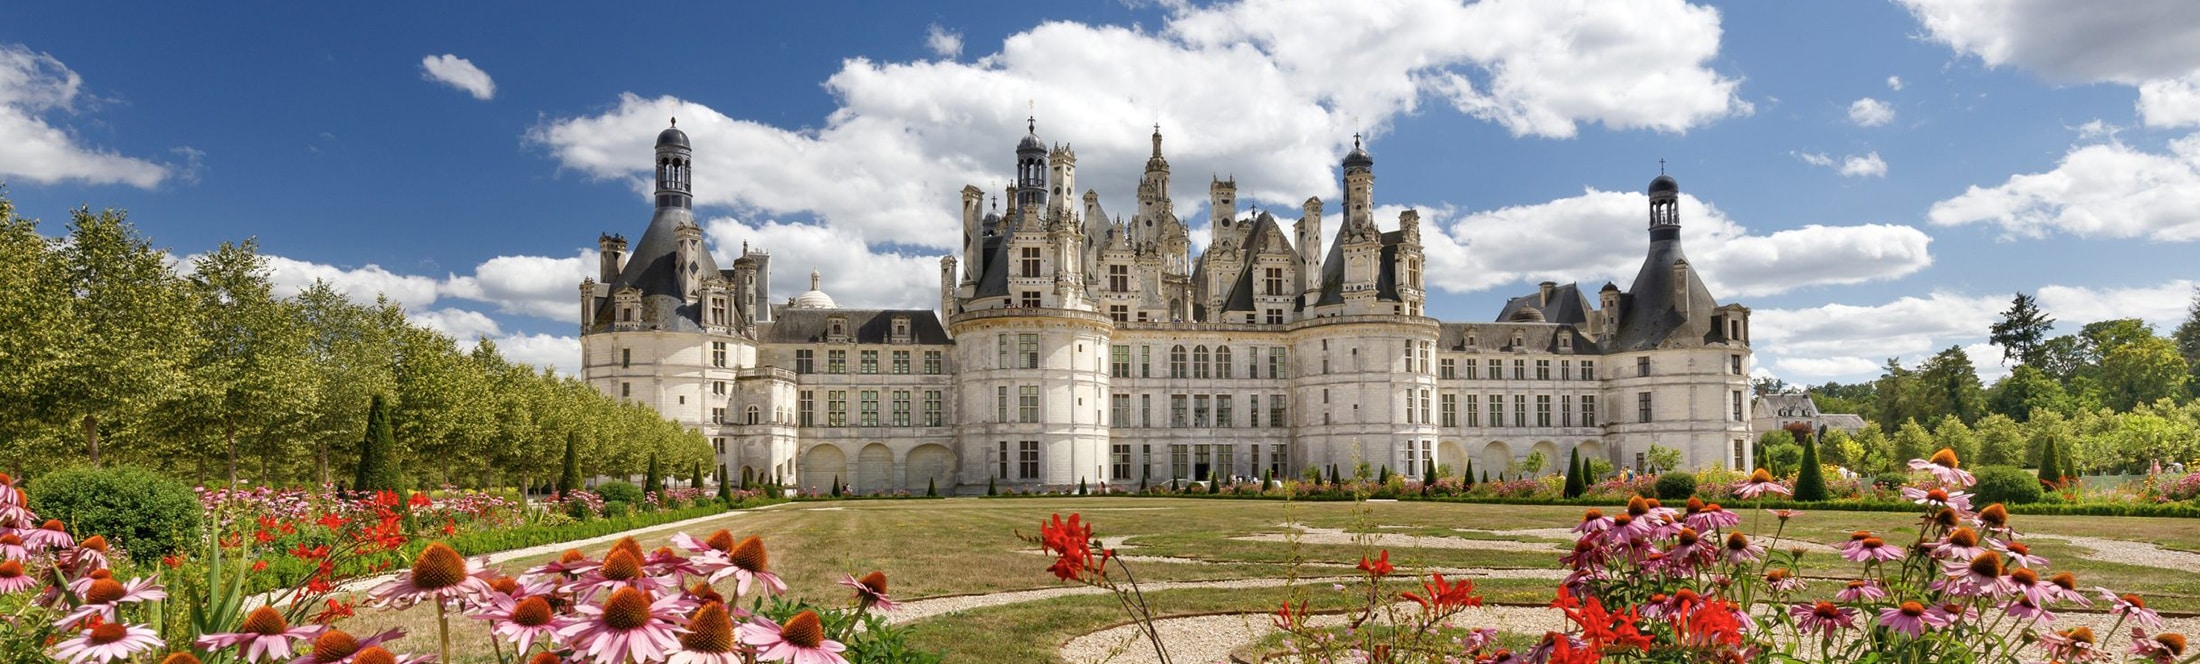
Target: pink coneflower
(721, 541)
(1860, 590)
(1586, 553)
(2162, 649)
(568, 564)
(88, 555)
(336, 647)
(1823, 618)
(1760, 482)
(13, 580)
(1688, 550)
(2073, 645)
(709, 639)
(2131, 607)
(1784, 515)
(1949, 614)
(106, 642)
(51, 535)
(870, 590)
(628, 625)
(265, 635)
(620, 569)
(522, 621)
(2023, 608)
(1907, 618)
(1779, 579)
(380, 655)
(1625, 528)
(1592, 521)
(1960, 544)
(665, 562)
(2066, 588)
(749, 565)
(801, 641)
(1982, 577)
(2028, 583)
(11, 546)
(1739, 550)
(2019, 554)
(1994, 519)
(1945, 469)
(103, 596)
(1869, 548)
(1709, 517)
(439, 573)
(1938, 497)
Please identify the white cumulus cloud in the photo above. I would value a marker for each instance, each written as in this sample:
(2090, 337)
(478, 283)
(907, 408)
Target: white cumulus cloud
(33, 88)
(2106, 190)
(942, 41)
(464, 326)
(2147, 44)
(458, 73)
(547, 351)
(1868, 165)
(538, 286)
(1894, 83)
(1869, 112)
(1813, 158)
(362, 284)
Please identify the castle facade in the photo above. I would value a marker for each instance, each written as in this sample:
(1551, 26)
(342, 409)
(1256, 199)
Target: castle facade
(1069, 347)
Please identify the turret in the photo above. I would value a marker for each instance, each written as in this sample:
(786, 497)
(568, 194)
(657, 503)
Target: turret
(1062, 181)
(947, 286)
(1359, 186)
(1222, 210)
(1031, 170)
(973, 211)
(688, 240)
(1309, 231)
(1665, 212)
(610, 257)
(674, 159)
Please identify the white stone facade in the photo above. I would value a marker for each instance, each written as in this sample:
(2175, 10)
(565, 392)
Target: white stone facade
(1070, 348)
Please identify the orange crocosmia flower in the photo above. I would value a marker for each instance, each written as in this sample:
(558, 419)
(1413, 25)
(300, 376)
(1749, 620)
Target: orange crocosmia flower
(1377, 567)
(1440, 596)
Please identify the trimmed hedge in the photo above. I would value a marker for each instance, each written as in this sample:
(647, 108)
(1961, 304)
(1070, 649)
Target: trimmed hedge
(1676, 485)
(620, 492)
(2006, 484)
(146, 513)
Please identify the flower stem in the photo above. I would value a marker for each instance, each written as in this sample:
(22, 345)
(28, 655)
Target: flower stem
(443, 629)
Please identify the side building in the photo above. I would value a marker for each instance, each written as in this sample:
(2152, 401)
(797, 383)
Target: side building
(1074, 346)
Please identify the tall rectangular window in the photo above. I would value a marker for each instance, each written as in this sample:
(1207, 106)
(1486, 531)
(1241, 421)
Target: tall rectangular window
(718, 354)
(1497, 410)
(626, 389)
(1543, 410)
(1119, 407)
(1145, 361)
(1027, 347)
(869, 402)
(932, 413)
(1542, 369)
(1279, 459)
(1199, 410)
(1030, 263)
(1409, 406)
(933, 362)
(1737, 405)
(1450, 415)
(1179, 405)
(836, 361)
(1741, 453)
(1424, 406)
(808, 410)
(718, 387)
(1474, 410)
(1520, 369)
(1180, 461)
(1119, 364)
(1272, 281)
(1223, 411)
(1119, 278)
(868, 361)
(1027, 403)
(718, 415)
(1642, 406)
(1642, 366)
(1497, 369)
(1520, 410)
(1279, 411)
(626, 358)
(1588, 410)
(1000, 403)
(901, 408)
(1000, 343)
(1565, 369)
(1121, 453)
(1223, 362)
(1736, 363)
(836, 408)
(1276, 362)
(1566, 410)
(1003, 457)
(901, 362)
(1447, 368)
(805, 361)
(1027, 459)
(1252, 411)
(1145, 410)
(1588, 370)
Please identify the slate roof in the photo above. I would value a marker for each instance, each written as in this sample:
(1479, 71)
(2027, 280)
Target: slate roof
(869, 326)
(1650, 314)
(1567, 305)
(1493, 337)
(1256, 245)
(654, 269)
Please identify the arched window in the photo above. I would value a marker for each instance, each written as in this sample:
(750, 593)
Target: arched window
(1222, 361)
(1199, 362)
(1176, 362)
(754, 414)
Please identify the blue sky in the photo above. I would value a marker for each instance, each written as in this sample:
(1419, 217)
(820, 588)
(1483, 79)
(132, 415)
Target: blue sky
(1874, 179)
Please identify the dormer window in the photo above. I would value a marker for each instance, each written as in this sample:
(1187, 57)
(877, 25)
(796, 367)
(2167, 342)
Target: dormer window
(836, 329)
(1565, 342)
(1519, 341)
(901, 329)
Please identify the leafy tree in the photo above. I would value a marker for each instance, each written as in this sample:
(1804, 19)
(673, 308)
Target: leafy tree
(1533, 464)
(128, 334)
(1951, 386)
(2000, 441)
(2024, 390)
(2051, 470)
(1875, 453)
(1898, 395)
(1781, 457)
(2104, 337)
(2021, 330)
(251, 378)
(1911, 441)
(1661, 459)
(375, 471)
(349, 350)
(1768, 440)
(2142, 371)
(1952, 434)
(2187, 338)
(2066, 358)
(1810, 478)
(35, 317)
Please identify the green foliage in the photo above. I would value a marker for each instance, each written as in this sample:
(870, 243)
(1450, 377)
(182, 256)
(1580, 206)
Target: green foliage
(1912, 442)
(1469, 475)
(376, 471)
(2143, 371)
(569, 472)
(1081, 486)
(652, 482)
(1676, 485)
(619, 491)
(990, 489)
(1782, 458)
(868, 636)
(2000, 441)
(1952, 434)
(148, 514)
(835, 492)
(1661, 458)
(2005, 484)
(1596, 468)
(2050, 471)
(1575, 484)
(1534, 463)
(2021, 330)
(725, 488)
(931, 487)
(1810, 478)
(613, 509)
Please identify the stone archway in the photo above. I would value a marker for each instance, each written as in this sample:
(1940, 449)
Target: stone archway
(1553, 462)
(1497, 457)
(931, 464)
(874, 468)
(1451, 457)
(821, 465)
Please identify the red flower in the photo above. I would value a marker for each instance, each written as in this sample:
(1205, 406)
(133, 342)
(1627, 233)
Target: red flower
(418, 500)
(172, 561)
(1291, 619)
(319, 585)
(335, 610)
(1070, 541)
(1599, 627)
(1710, 623)
(1377, 567)
(302, 553)
(1444, 597)
(332, 521)
(450, 528)
(259, 566)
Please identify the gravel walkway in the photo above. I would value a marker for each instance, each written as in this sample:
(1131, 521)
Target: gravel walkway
(1312, 535)
(2144, 554)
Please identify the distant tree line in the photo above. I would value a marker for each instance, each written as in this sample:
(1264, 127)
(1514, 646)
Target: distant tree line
(2115, 396)
(116, 352)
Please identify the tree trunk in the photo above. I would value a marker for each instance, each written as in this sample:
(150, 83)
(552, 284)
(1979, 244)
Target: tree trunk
(320, 461)
(230, 435)
(91, 437)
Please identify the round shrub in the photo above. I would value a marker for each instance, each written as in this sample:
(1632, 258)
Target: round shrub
(619, 491)
(2005, 484)
(1676, 485)
(146, 513)
(613, 509)
(1890, 481)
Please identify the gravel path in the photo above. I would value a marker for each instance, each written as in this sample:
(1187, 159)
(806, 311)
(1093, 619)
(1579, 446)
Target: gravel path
(926, 608)
(1312, 535)
(2144, 554)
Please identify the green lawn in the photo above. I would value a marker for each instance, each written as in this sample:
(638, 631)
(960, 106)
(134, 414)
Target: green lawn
(931, 548)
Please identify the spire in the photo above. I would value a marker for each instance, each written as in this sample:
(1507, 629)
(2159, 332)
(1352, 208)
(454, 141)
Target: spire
(814, 278)
(674, 161)
(1157, 140)
(1156, 163)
